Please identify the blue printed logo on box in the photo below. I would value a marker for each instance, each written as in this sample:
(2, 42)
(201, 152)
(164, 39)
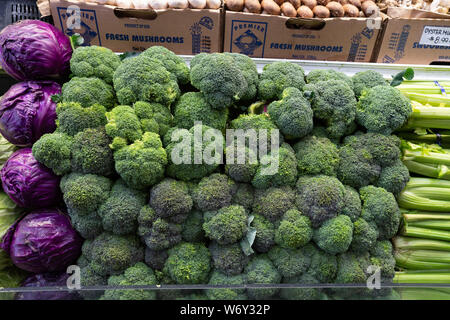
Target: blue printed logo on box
(87, 25)
(248, 37)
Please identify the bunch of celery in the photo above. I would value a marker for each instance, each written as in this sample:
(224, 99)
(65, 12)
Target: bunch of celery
(428, 136)
(426, 194)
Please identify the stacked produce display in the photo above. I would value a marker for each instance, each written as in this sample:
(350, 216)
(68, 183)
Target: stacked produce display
(131, 169)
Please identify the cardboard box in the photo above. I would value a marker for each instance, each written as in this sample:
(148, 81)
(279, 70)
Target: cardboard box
(415, 37)
(266, 36)
(184, 31)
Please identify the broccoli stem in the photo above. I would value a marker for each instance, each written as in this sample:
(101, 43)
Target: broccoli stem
(407, 243)
(425, 233)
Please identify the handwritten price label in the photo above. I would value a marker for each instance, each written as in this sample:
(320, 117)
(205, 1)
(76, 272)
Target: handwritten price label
(435, 36)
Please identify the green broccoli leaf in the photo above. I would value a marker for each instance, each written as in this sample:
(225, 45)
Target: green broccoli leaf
(249, 238)
(397, 79)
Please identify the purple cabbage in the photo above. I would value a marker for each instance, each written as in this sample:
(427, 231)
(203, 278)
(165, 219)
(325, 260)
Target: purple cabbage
(28, 183)
(33, 50)
(27, 111)
(43, 241)
(47, 280)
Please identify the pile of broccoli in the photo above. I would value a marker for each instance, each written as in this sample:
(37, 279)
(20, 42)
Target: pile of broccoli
(154, 211)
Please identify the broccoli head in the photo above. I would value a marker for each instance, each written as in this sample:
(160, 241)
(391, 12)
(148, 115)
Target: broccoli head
(214, 192)
(188, 263)
(123, 126)
(228, 259)
(334, 103)
(394, 178)
(364, 236)
(227, 226)
(73, 118)
(120, 211)
(88, 91)
(157, 233)
(89, 278)
(88, 225)
(323, 266)
(94, 61)
(320, 198)
(111, 254)
(352, 204)
(84, 193)
(380, 208)
(53, 150)
(155, 259)
(261, 270)
(170, 61)
(218, 278)
(242, 163)
(278, 76)
(372, 105)
(91, 152)
(144, 79)
(142, 163)
(335, 235)
(364, 80)
(316, 156)
(382, 255)
(192, 107)
(154, 117)
(265, 234)
(318, 75)
(301, 293)
(193, 228)
(244, 195)
(294, 230)
(182, 150)
(137, 275)
(219, 78)
(289, 262)
(248, 68)
(273, 202)
(171, 199)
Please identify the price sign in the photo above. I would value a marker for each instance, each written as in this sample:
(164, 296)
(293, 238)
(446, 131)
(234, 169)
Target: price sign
(435, 36)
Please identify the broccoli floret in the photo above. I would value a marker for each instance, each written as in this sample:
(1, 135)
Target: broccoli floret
(248, 68)
(84, 193)
(320, 198)
(53, 150)
(123, 126)
(91, 152)
(364, 236)
(219, 78)
(289, 262)
(137, 275)
(318, 75)
(142, 163)
(364, 80)
(316, 156)
(394, 178)
(323, 266)
(352, 203)
(157, 233)
(227, 226)
(278, 76)
(273, 202)
(73, 118)
(380, 208)
(349, 270)
(333, 102)
(294, 230)
(181, 151)
(277, 169)
(88, 278)
(228, 259)
(261, 270)
(120, 211)
(154, 117)
(171, 62)
(335, 235)
(214, 192)
(144, 79)
(265, 234)
(244, 195)
(193, 228)
(372, 105)
(171, 199)
(155, 259)
(192, 107)
(218, 278)
(382, 255)
(94, 61)
(188, 263)
(88, 91)
(88, 225)
(301, 293)
(111, 254)
(241, 163)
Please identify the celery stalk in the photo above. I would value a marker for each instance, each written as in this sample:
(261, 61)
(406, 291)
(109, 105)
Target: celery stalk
(425, 233)
(420, 244)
